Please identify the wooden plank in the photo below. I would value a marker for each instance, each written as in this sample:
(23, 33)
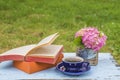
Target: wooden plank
(104, 70)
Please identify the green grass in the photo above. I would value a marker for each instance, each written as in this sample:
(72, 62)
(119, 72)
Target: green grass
(24, 22)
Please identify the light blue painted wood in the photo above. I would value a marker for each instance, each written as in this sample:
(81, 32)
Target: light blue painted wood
(105, 70)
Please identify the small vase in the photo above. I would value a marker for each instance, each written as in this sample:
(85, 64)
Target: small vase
(88, 55)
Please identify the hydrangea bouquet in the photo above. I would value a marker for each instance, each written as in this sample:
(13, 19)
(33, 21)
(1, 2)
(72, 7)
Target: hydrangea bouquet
(90, 38)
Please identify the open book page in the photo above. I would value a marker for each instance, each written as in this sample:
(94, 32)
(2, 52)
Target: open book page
(44, 42)
(49, 51)
(19, 51)
(16, 54)
(45, 54)
(48, 40)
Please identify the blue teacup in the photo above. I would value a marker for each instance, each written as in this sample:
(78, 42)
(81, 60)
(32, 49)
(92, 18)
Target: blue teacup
(75, 64)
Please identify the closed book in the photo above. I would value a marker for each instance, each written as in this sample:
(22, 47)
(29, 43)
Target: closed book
(32, 67)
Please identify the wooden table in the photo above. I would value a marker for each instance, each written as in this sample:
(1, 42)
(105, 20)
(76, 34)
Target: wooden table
(105, 70)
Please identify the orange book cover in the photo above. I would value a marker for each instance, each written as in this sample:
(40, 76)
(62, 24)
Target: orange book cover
(41, 52)
(31, 67)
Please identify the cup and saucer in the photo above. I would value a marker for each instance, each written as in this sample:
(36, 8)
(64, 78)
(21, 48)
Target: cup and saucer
(73, 66)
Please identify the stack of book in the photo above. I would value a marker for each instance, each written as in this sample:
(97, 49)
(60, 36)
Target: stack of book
(35, 57)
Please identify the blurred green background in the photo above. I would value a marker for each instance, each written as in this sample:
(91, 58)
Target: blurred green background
(24, 22)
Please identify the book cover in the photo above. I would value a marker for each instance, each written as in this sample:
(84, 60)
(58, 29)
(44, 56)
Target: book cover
(32, 67)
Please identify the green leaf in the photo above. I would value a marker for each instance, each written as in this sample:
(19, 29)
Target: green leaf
(78, 41)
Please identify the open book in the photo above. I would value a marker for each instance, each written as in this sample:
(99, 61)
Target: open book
(41, 52)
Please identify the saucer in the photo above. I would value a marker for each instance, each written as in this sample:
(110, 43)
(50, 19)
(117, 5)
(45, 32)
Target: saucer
(60, 67)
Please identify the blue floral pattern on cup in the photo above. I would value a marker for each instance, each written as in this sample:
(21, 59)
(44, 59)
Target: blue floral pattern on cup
(72, 71)
(75, 66)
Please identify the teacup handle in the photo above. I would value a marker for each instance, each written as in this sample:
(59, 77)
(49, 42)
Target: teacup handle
(85, 64)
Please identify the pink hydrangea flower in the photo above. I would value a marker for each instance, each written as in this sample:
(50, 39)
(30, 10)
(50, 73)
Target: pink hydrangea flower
(80, 33)
(92, 38)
